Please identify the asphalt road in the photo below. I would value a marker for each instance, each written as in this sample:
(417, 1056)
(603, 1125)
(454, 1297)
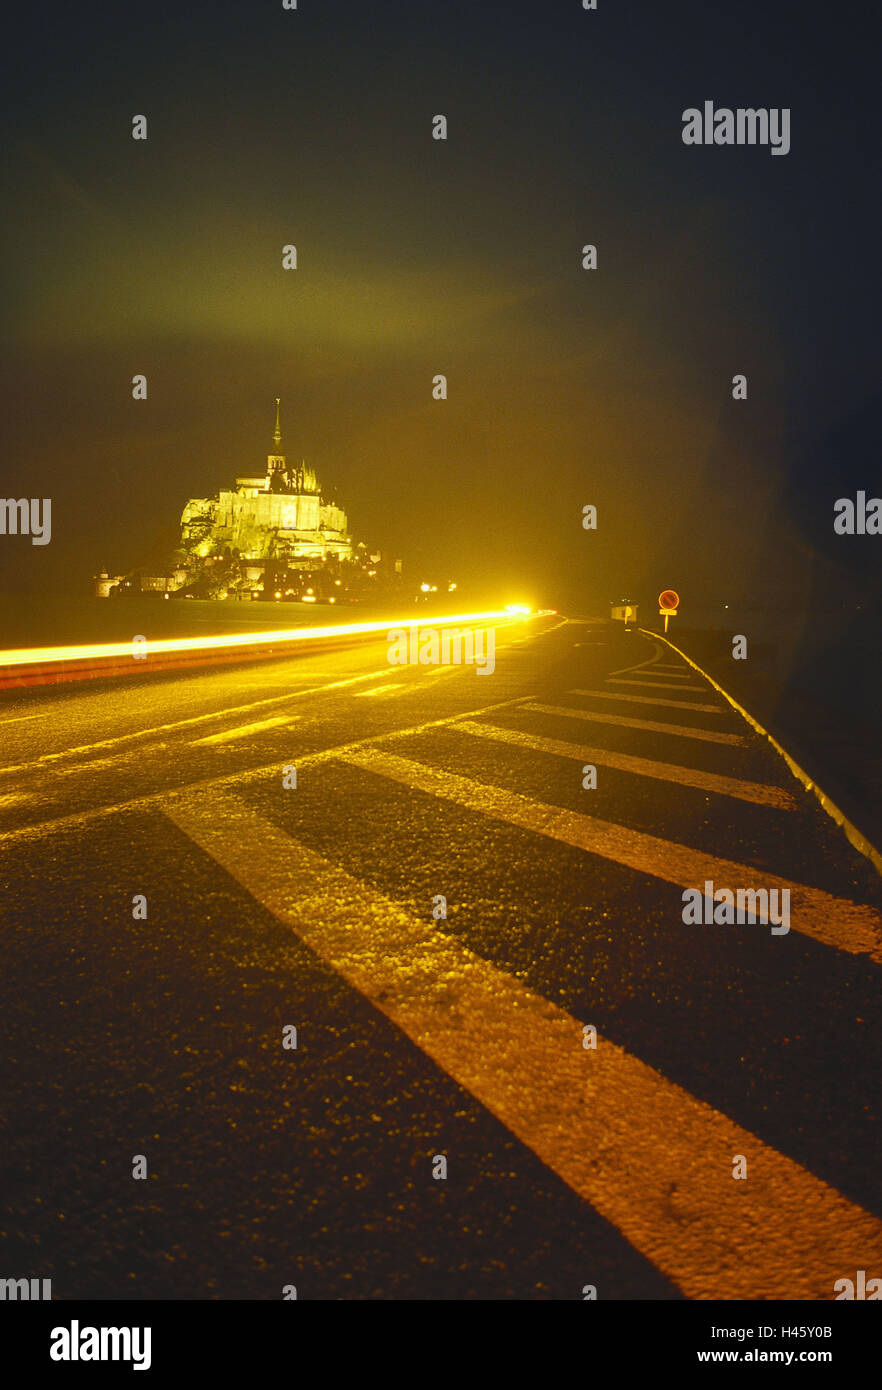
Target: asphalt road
(720, 1048)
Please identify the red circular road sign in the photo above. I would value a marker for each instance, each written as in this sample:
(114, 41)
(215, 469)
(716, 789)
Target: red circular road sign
(669, 599)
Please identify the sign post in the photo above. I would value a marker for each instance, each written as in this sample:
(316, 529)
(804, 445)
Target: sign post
(624, 613)
(668, 603)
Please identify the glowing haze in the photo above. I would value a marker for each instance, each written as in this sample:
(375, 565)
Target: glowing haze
(418, 257)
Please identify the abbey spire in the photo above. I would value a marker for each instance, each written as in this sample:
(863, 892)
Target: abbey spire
(275, 462)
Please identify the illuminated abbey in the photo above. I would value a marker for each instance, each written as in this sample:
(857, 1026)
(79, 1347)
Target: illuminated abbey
(280, 515)
(274, 535)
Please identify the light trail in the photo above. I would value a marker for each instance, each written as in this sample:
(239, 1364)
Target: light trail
(31, 656)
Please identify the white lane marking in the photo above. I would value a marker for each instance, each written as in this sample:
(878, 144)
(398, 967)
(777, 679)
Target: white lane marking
(757, 792)
(245, 730)
(838, 922)
(650, 700)
(380, 689)
(651, 685)
(595, 717)
(20, 718)
(651, 1158)
(194, 719)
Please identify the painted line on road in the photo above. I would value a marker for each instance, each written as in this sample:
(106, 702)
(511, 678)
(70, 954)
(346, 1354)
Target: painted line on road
(651, 685)
(649, 661)
(184, 723)
(652, 1159)
(595, 717)
(379, 689)
(245, 730)
(650, 700)
(757, 792)
(834, 921)
(75, 820)
(854, 836)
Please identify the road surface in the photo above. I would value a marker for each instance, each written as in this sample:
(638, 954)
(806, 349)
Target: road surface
(172, 910)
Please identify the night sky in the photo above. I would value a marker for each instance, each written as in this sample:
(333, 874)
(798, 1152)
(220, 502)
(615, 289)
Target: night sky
(417, 257)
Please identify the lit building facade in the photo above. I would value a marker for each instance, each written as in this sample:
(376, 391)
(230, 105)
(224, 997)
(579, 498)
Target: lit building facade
(280, 515)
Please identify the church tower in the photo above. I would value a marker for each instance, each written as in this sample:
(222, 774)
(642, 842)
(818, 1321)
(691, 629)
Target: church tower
(275, 462)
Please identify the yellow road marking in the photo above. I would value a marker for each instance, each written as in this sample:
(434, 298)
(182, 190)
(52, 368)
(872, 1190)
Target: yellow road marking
(650, 700)
(838, 922)
(380, 689)
(757, 792)
(855, 836)
(651, 1158)
(244, 730)
(681, 730)
(652, 685)
(184, 723)
(75, 820)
